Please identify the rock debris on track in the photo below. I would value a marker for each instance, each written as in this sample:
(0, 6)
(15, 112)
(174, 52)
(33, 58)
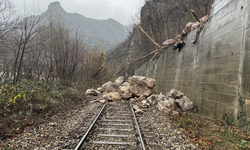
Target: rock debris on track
(66, 130)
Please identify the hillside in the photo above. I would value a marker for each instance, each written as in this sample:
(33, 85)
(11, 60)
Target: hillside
(104, 33)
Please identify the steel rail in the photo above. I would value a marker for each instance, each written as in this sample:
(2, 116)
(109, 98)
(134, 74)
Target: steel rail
(92, 125)
(137, 126)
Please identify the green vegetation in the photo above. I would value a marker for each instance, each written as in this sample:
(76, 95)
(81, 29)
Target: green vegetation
(25, 103)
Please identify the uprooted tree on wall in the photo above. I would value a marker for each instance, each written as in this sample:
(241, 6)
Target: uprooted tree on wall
(161, 20)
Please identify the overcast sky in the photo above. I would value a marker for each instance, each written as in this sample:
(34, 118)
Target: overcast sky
(120, 10)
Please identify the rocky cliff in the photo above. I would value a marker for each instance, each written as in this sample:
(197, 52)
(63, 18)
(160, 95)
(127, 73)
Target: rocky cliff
(105, 33)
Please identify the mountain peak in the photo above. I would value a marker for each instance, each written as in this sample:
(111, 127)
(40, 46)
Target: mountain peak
(56, 6)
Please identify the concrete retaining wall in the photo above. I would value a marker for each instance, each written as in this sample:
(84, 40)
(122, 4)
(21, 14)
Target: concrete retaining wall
(216, 70)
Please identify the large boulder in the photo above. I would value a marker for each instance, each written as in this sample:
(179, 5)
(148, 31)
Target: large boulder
(114, 96)
(92, 92)
(126, 93)
(112, 87)
(141, 86)
(176, 94)
(120, 80)
(185, 103)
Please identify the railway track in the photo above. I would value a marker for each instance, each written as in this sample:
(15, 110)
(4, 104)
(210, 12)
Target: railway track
(116, 127)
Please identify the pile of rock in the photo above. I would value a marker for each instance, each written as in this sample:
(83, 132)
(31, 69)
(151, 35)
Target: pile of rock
(174, 102)
(141, 89)
(138, 87)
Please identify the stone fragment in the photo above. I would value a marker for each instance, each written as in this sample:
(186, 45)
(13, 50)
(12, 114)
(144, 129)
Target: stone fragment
(137, 109)
(141, 85)
(168, 42)
(176, 113)
(178, 37)
(103, 101)
(185, 103)
(120, 80)
(161, 97)
(176, 94)
(168, 102)
(145, 103)
(152, 99)
(168, 111)
(195, 26)
(132, 100)
(204, 19)
(112, 87)
(101, 89)
(106, 84)
(94, 101)
(178, 45)
(174, 106)
(92, 92)
(161, 106)
(187, 29)
(141, 98)
(114, 96)
(169, 96)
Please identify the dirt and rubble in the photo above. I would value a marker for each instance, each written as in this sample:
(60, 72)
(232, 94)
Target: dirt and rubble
(152, 109)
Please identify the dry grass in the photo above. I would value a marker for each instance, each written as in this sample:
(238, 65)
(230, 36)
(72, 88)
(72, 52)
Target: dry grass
(208, 133)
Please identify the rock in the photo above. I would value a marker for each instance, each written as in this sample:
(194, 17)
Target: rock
(174, 106)
(168, 102)
(137, 109)
(178, 45)
(161, 97)
(114, 96)
(176, 113)
(126, 93)
(101, 89)
(152, 99)
(120, 80)
(132, 100)
(125, 84)
(185, 103)
(106, 84)
(169, 96)
(168, 42)
(141, 85)
(53, 124)
(187, 29)
(141, 98)
(168, 111)
(178, 37)
(176, 94)
(145, 103)
(92, 92)
(161, 106)
(112, 87)
(103, 101)
(195, 26)
(94, 101)
(204, 19)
